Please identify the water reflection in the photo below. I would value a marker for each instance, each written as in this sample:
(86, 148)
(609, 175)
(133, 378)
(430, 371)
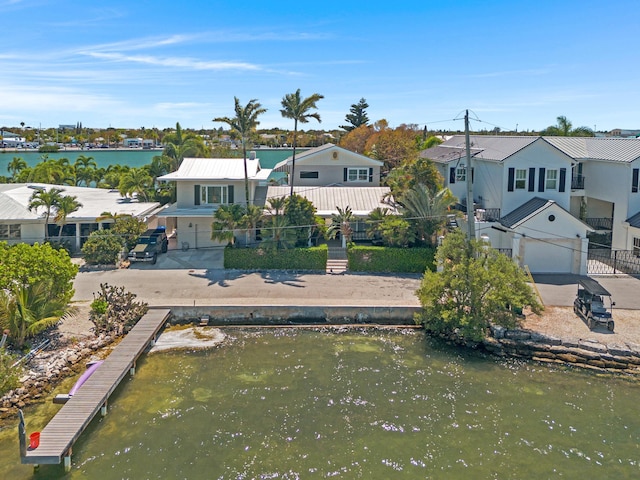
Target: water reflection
(300, 404)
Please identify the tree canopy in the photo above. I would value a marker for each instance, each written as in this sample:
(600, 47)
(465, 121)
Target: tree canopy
(477, 287)
(358, 116)
(564, 128)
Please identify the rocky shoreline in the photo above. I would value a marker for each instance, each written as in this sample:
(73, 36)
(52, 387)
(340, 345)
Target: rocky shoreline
(64, 359)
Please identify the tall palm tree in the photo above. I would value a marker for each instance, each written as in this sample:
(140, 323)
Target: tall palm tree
(245, 121)
(85, 169)
(16, 166)
(48, 200)
(179, 145)
(66, 206)
(564, 128)
(298, 109)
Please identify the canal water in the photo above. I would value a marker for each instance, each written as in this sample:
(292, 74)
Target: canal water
(134, 158)
(283, 404)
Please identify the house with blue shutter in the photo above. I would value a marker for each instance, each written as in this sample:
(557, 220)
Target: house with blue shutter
(540, 198)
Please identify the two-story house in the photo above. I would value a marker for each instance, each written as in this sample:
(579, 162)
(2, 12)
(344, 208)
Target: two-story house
(202, 185)
(522, 198)
(591, 184)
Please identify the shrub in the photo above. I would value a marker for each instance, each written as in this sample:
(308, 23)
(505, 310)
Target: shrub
(9, 376)
(388, 260)
(114, 311)
(312, 258)
(102, 247)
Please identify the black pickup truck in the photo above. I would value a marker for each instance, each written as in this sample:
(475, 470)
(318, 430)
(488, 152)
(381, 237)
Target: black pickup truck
(150, 244)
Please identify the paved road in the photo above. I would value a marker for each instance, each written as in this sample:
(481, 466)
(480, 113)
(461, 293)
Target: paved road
(195, 277)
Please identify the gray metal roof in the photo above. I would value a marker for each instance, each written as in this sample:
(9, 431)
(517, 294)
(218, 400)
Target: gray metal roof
(304, 157)
(634, 221)
(488, 147)
(216, 169)
(525, 211)
(361, 200)
(598, 148)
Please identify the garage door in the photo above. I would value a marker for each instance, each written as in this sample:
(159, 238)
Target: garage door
(548, 257)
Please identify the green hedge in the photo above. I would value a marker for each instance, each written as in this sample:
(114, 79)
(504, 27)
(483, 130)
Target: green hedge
(387, 259)
(313, 258)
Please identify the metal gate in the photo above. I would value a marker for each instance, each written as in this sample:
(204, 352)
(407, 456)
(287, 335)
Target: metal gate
(606, 261)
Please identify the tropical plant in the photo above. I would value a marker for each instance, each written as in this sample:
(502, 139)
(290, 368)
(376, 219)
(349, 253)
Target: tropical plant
(374, 221)
(16, 166)
(476, 287)
(341, 224)
(301, 213)
(48, 200)
(297, 108)
(278, 233)
(129, 228)
(9, 374)
(426, 210)
(252, 217)
(227, 219)
(358, 116)
(564, 128)
(409, 174)
(66, 206)
(122, 311)
(245, 121)
(85, 169)
(27, 310)
(102, 247)
(395, 231)
(136, 182)
(180, 145)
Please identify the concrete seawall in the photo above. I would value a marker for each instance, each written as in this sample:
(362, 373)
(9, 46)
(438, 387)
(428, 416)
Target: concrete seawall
(295, 314)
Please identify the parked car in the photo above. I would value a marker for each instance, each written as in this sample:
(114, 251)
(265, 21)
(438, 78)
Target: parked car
(150, 244)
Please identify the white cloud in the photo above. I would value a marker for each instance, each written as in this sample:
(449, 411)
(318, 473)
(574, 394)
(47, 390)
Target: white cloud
(178, 62)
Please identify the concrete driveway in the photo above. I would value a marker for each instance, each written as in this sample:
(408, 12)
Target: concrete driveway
(560, 290)
(202, 258)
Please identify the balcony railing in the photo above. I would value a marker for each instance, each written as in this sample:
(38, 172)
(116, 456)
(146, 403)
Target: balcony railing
(600, 223)
(487, 214)
(577, 182)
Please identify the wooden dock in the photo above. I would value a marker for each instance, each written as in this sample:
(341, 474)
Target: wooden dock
(58, 437)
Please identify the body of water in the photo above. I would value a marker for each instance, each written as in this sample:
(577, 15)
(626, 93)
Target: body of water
(134, 158)
(282, 404)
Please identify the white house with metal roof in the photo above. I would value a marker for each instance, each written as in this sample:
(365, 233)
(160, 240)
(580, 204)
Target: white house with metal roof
(594, 179)
(202, 185)
(19, 224)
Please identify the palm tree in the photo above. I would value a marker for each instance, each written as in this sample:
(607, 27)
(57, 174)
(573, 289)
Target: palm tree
(27, 310)
(564, 128)
(298, 109)
(85, 169)
(341, 223)
(245, 121)
(374, 222)
(279, 235)
(135, 181)
(48, 200)
(16, 166)
(427, 209)
(179, 146)
(66, 205)
(250, 220)
(226, 219)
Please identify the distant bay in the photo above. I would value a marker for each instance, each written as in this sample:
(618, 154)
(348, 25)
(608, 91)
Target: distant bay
(133, 158)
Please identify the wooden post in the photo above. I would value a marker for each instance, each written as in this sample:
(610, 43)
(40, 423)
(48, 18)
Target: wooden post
(132, 370)
(103, 409)
(22, 434)
(67, 462)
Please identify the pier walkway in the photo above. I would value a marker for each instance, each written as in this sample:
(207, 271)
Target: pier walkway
(58, 437)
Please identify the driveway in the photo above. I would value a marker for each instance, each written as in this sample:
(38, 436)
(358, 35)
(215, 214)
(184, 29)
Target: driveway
(202, 258)
(560, 290)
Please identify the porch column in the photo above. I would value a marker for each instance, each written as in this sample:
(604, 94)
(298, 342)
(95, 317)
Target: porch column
(516, 246)
(584, 256)
(77, 236)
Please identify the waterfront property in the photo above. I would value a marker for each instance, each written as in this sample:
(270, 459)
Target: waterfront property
(594, 180)
(19, 224)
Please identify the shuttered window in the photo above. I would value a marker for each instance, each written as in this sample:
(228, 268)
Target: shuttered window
(634, 180)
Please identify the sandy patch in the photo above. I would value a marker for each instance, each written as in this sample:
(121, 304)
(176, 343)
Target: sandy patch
(188, 338)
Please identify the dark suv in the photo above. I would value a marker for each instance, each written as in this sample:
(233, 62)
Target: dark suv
(150, 244)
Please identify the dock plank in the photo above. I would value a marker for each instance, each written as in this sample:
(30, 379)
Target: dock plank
(57, 438)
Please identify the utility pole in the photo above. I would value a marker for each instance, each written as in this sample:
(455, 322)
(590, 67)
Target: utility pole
(471, 221)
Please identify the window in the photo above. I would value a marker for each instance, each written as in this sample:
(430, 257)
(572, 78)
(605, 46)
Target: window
(521, 178)
(308, 174)
(10, 232)
(551, 182)
(358, 175)
(217, 195)
(636, 246)
(461, 174)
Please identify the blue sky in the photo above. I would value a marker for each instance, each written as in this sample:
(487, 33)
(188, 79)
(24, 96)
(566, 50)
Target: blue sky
(154, 63)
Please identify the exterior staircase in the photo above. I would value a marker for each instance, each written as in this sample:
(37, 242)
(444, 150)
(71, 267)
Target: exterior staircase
(337, 260)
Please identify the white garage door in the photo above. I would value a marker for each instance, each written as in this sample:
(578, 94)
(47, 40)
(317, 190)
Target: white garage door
(543, 257)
